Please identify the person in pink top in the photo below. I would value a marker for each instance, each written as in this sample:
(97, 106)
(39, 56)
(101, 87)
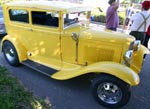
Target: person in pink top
(112, 18)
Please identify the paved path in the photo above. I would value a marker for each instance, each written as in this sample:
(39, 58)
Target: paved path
(75, 93)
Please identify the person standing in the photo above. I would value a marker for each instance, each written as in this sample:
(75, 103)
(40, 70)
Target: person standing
(140, 22)
(147, 37)
(112, 18)
(128, 13)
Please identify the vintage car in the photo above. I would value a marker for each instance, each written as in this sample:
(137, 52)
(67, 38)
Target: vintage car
(56, 38)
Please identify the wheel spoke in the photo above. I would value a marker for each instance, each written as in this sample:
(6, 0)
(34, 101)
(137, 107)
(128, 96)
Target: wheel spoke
(109, 93)
(9, 54)
(107, 87)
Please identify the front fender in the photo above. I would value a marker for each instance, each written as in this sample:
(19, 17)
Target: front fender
(138, 58)
(21, 51)
(118, 70)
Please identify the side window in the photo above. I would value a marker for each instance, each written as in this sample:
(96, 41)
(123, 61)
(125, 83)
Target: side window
(19, 15)
(45, 18)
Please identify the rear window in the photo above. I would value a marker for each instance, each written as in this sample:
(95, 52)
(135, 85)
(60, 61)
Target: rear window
(19, 15)
(45, 18)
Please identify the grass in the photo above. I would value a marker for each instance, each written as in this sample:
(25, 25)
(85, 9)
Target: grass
(14, 96)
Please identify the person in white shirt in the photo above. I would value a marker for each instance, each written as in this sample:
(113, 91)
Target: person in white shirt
(129, 12)
(140, 22)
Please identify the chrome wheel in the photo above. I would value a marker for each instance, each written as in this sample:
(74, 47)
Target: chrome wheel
(9, 54)
(109, 93)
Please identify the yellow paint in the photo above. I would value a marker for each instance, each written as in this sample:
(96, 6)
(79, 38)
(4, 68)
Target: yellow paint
(65, 7)
(21, 50)
(95, 51)
(137, 59)
(120, 71)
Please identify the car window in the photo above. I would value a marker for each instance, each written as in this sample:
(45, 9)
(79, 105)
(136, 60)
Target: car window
(72, 18)
(19, 15)
(45, 18)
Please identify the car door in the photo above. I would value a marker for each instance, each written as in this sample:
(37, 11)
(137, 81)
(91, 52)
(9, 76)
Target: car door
(18, 24)
(69, 45)
(43, 42)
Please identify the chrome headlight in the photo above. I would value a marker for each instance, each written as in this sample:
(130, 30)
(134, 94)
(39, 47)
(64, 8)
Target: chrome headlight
(137, 44)
(128, 57)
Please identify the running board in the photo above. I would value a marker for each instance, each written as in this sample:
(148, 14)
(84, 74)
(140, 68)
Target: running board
(39, 67)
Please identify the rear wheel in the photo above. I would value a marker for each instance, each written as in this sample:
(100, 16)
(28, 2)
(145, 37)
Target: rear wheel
(10, 53)
(110, 91)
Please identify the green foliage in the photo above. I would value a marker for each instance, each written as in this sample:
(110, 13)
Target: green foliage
(14, 96)
(121, 20)
(131, 1)
(121, 17)
(126, 2)
(136, 1)
(101, 18)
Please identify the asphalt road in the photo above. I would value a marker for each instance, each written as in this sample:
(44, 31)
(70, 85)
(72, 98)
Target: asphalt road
(75, 93)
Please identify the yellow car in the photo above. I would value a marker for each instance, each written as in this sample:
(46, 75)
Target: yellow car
(56, 38)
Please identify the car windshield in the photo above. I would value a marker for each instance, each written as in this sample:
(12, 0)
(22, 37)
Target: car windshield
(72, 18)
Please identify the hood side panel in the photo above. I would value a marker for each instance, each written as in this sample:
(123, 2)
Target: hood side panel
(95, 51)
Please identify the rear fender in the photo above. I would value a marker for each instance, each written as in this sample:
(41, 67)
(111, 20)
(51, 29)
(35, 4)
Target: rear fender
(21, 50)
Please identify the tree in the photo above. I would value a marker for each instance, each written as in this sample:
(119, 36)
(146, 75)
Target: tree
(136, 1)
(132, 1)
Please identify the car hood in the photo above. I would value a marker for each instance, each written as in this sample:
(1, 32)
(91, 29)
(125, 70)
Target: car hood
(102, 34)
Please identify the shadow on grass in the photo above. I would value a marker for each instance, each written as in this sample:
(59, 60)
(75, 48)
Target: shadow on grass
(14, 96)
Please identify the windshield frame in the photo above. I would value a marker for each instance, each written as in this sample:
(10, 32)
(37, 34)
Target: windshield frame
(80, 18)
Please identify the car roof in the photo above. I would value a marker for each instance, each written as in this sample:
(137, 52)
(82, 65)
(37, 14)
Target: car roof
(50, 5)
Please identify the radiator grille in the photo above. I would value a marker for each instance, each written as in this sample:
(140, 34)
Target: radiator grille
(94, 54)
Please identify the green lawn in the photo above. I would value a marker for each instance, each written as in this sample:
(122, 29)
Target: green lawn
(14, 96)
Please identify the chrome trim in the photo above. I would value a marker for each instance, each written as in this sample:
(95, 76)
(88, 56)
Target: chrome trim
(109, 93)
(137, 44)
(128, 57)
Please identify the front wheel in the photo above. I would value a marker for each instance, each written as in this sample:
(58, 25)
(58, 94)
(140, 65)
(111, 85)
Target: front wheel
(110, 91)
(10, 53)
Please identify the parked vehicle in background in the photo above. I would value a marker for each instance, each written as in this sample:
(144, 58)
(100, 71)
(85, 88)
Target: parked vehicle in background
(55, 38)
(2, 25)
